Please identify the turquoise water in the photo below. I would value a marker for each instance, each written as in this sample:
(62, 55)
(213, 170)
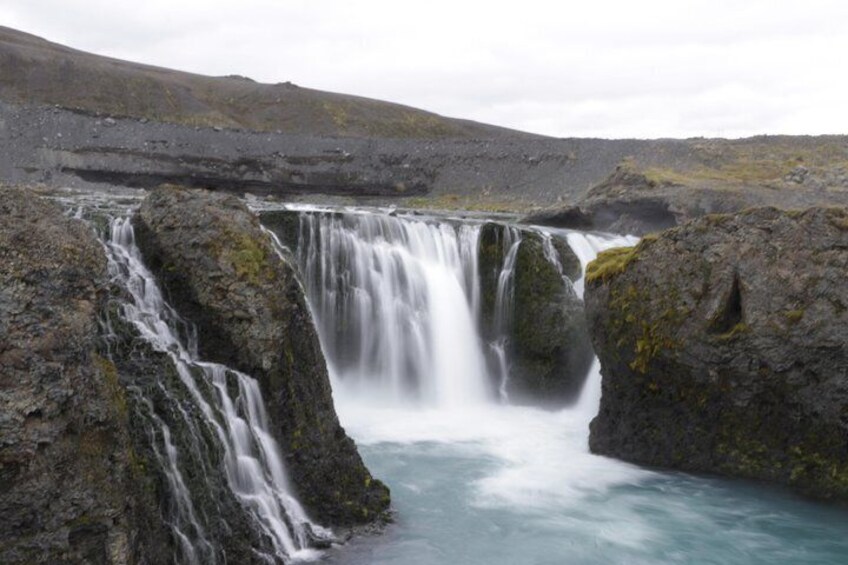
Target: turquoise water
(526, 491)
(477, 482)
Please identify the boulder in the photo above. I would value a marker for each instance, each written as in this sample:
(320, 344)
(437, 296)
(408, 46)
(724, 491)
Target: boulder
(547, 341)
(67, 481)
(223, 275)
(724, 345)
(550, 351)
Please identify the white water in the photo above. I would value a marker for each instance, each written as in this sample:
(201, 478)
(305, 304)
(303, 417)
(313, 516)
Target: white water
(544, 456)
(404, 283)
(497, 484)
(396, 302)
(503, 309)
(251, 457)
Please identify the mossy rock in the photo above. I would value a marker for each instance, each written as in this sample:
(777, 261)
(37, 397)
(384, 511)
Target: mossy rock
(223, 275)
(550, 349)
(722, 349)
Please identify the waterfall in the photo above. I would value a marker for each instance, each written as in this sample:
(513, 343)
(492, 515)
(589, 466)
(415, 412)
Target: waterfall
(587, 246)
(503, 308)
(396, 302)
(221, 403)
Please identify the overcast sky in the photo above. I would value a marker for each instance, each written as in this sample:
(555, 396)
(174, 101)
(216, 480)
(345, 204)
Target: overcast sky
(600, 68)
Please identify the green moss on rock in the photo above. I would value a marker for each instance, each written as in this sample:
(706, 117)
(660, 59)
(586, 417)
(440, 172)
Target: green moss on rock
(609, 263)
(251, 314)
(716, 360)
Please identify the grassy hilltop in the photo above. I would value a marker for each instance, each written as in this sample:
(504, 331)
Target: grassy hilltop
(34, 70)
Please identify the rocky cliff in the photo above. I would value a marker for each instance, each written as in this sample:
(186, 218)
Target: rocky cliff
(723, 348)
(719, 176)
(223, 275)
(68, 489)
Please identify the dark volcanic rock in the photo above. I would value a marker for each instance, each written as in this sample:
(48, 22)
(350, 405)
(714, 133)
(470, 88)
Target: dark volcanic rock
(723, 348)
(625, 202)
(155, 396)
(67, 490)
(285, 224)
(635, 200)
(492, 249)
(547, 340)
(550, 345)
(569, 217)
(224, 276)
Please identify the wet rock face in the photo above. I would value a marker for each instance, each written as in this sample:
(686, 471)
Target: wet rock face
(223, 275)
(492, 249)
(154, 391)
(723, 348)
(64, 450)
(548, 343)
(551, 352)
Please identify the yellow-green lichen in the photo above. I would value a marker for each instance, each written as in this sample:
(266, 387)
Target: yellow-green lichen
(630, 308)
(734, 332)
(794, 316)
(655, 337)
(113, 386)
(247, 255)
(610, 263)
(827, 476)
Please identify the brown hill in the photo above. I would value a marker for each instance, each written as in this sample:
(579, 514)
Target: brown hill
(33, 70)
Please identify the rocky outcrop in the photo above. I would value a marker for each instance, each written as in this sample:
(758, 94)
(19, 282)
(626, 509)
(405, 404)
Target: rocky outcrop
(546, 336)
(223, 275)
(723, 348)
(638, 200)
(492, 249)
(550, 345)
(157, 399)
(630, 202)
(67, 478)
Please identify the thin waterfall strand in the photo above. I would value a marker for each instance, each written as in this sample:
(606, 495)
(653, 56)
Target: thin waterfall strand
(251, 457)
(504, 296)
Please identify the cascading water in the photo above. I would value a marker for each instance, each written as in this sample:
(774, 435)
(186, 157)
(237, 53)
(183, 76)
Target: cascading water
(396, 301)
(223, 404)
(503, 308)
(488, 482)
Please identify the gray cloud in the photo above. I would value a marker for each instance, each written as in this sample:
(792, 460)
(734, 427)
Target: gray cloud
(656, 68)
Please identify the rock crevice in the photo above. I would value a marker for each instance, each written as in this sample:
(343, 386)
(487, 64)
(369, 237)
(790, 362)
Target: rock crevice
(723, 348)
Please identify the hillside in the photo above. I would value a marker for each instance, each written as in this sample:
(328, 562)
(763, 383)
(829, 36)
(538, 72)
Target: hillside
(34, 70)
(117, 123)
